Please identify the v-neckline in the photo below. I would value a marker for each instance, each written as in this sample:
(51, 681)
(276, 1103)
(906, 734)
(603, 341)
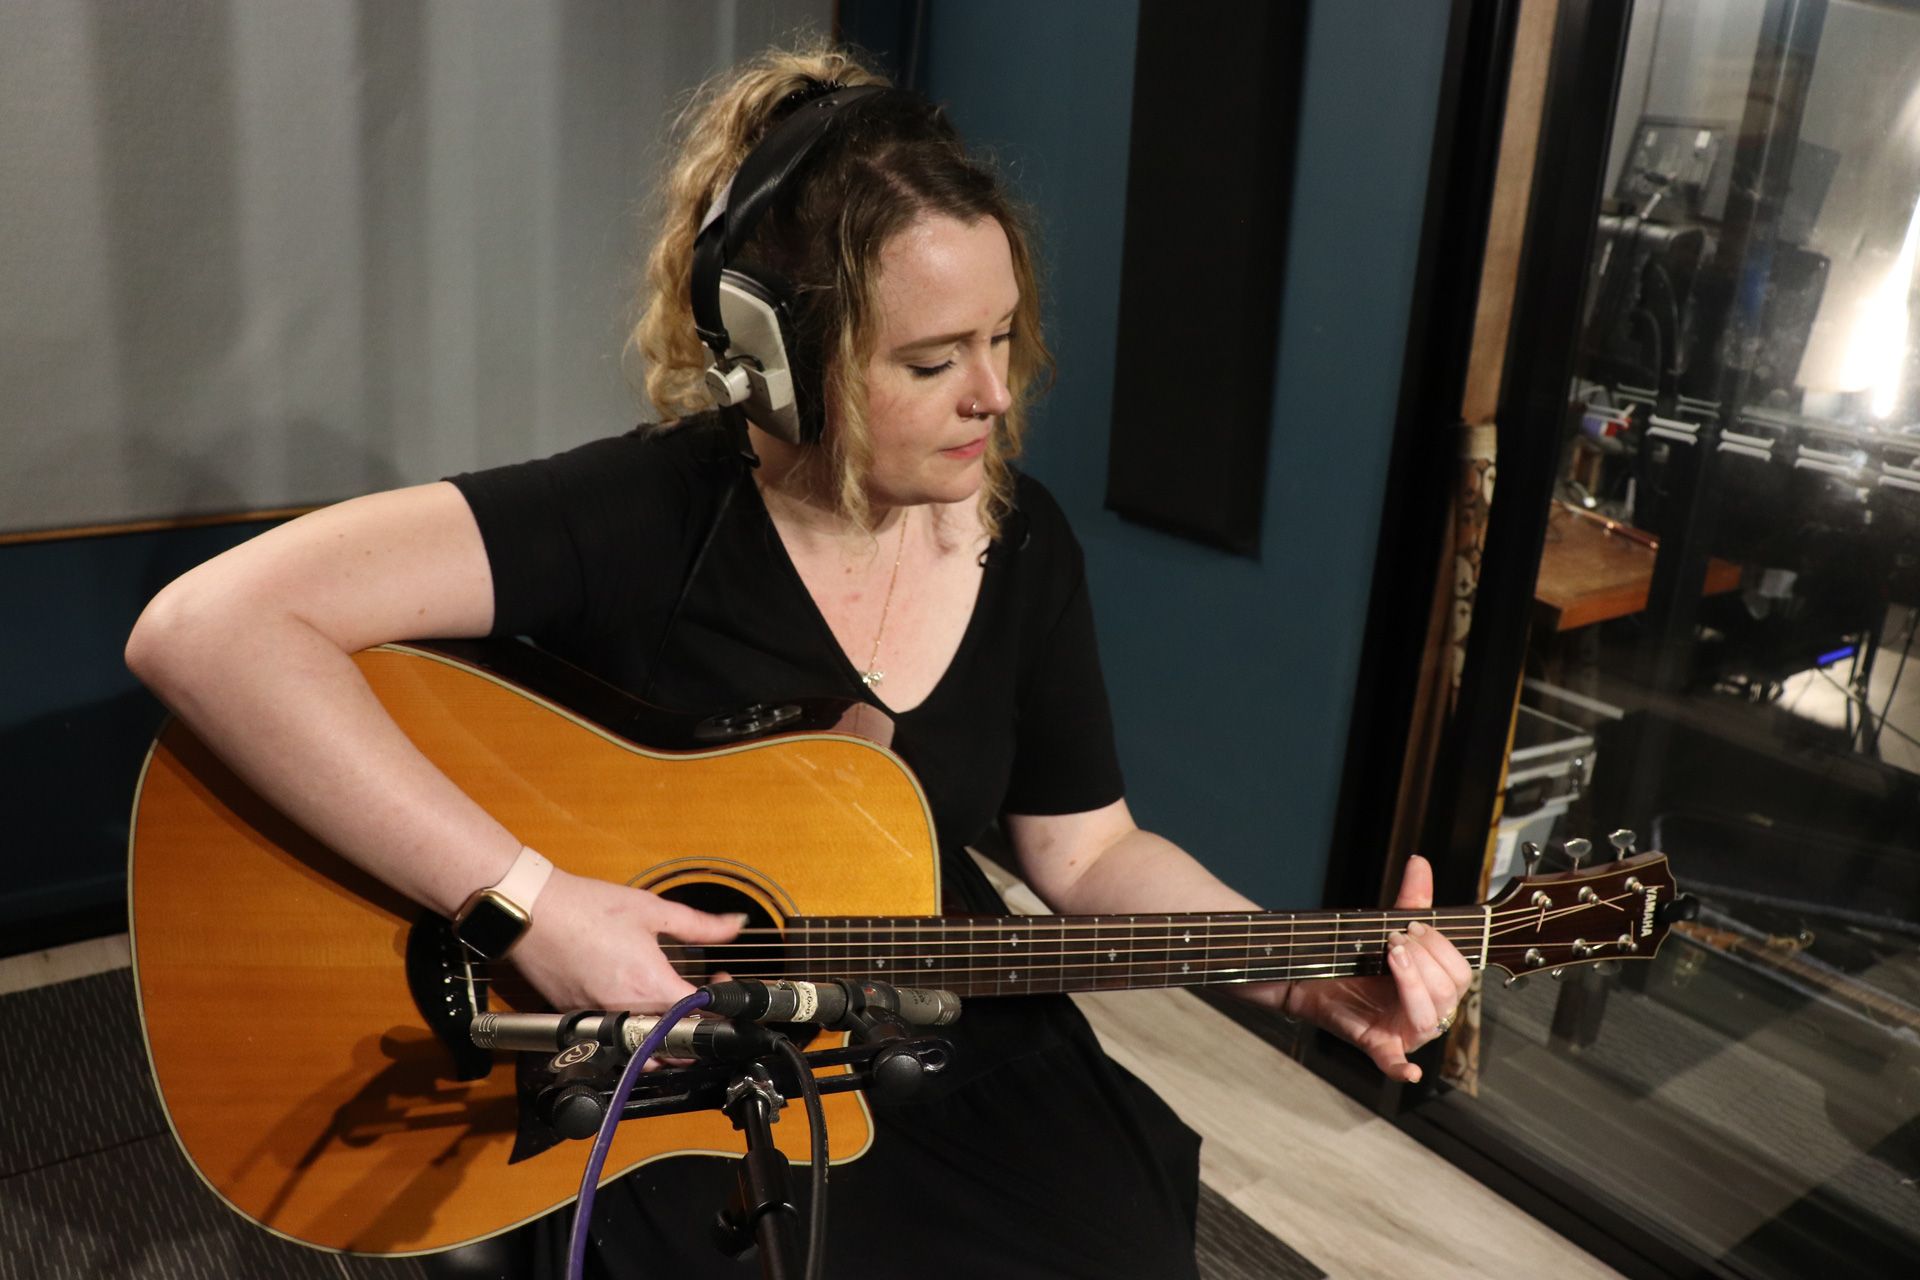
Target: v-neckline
(824, 629)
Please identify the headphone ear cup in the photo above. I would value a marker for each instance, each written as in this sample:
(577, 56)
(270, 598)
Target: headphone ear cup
(761, 339)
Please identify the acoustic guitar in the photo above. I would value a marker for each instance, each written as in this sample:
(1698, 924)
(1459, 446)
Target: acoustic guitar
(307, 1026)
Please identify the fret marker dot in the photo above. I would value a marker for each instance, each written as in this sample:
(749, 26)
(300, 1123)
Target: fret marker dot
(1269, 950)
(1187, 937)
(1113, 955)
(1014, 976)
(929, 962)
(1186, 968)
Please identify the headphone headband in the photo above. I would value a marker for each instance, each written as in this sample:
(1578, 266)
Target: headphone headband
(752, 191)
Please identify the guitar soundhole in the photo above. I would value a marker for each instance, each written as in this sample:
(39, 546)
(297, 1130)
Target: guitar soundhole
(761, 953)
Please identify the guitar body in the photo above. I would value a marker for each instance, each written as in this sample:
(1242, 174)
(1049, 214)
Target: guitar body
(294, 1062)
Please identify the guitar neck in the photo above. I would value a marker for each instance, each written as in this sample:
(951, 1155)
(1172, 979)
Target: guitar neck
(1031, 955)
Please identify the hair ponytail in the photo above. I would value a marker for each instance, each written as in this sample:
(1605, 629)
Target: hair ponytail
(720, 127)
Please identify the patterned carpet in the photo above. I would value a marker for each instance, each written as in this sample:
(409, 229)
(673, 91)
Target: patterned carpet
(92, 1185)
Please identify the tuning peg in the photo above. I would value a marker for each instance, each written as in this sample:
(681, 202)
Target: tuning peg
(1577, 850)
(1530, 854)
(1622, 842)
(1684, 907)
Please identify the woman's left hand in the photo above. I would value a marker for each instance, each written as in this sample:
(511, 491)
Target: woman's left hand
(1390, 1016)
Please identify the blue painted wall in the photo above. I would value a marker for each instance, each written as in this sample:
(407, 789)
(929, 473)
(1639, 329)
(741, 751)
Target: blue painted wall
(74, 724)
(1231, 678)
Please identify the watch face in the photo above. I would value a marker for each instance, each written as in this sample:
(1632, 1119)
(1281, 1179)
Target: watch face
(490, 925)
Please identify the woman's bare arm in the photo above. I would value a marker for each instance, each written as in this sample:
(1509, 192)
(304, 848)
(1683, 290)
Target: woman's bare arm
(1101, 863)
(252, 650)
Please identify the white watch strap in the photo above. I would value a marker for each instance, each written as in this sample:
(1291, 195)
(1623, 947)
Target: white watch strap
(524, 879)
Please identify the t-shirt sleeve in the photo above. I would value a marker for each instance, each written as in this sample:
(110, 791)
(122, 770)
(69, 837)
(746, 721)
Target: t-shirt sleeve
(1064, 759)
(572, 538)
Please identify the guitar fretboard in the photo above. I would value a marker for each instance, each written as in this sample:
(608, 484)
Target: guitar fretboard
(1024, 955)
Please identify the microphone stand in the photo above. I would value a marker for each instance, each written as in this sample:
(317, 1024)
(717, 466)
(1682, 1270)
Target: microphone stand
(762, 1211)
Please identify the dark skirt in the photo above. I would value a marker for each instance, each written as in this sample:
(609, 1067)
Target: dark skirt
(1041, 1159)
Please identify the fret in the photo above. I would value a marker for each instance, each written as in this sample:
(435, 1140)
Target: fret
(1093, 958)
(1313, 934)
(1108, 941)
(1144, 969)
(1008, 956)
(937, 968)
(1190, 957)
(927, 970)
(1250, 921)
(1074, 945)
(808, 957)
(1065, 949)
(966, 943)
(1277, 952)
(1155, 973)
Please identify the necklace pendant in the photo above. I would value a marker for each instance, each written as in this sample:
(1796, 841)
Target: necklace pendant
(872, 678)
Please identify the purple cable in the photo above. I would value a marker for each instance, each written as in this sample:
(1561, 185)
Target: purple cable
(597, 1159)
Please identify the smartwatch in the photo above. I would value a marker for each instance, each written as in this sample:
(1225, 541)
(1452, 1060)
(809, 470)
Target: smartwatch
(493, 919)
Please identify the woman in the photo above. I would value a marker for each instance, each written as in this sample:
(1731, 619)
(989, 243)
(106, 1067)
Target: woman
(899, 559)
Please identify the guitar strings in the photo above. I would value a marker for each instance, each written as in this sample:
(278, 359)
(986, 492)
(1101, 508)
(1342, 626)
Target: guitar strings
(1141, 975)
(1043, 930)
(1042, 969)
(1341, 924)
(1049, 928)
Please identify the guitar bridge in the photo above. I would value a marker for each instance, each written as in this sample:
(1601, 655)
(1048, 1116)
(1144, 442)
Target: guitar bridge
(448, 992)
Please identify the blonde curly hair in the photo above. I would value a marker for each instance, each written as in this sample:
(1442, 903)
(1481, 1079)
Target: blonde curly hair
(879, 171)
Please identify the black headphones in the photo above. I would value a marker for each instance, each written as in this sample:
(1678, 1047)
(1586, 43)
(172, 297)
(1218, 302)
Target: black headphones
(745, 314)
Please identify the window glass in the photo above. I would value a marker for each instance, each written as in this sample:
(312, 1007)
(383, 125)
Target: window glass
(1724, 653)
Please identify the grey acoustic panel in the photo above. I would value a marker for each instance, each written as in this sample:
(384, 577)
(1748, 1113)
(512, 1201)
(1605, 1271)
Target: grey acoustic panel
(1209, 181)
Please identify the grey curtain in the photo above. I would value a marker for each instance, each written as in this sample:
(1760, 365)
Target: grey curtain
(258, 253)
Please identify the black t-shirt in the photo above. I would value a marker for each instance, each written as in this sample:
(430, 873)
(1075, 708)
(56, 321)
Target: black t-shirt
(593, 555)
(650, 560)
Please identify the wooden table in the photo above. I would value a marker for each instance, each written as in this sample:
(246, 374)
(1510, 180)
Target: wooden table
(1589, 575)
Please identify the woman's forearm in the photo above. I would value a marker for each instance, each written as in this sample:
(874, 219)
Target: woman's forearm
(1141, 871)
(290, 713)
(252, 650)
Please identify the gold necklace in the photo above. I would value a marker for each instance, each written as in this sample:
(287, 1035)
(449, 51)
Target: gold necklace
(872, 675)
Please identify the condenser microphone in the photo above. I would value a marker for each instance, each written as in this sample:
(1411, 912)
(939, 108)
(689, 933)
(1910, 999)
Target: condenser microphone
(829, 1003)
(704, 1039)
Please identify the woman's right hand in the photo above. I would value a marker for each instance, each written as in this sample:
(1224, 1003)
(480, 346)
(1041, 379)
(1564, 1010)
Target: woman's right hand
(595, 945)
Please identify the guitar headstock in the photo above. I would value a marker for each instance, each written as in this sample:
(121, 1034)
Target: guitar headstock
(1619, 910)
